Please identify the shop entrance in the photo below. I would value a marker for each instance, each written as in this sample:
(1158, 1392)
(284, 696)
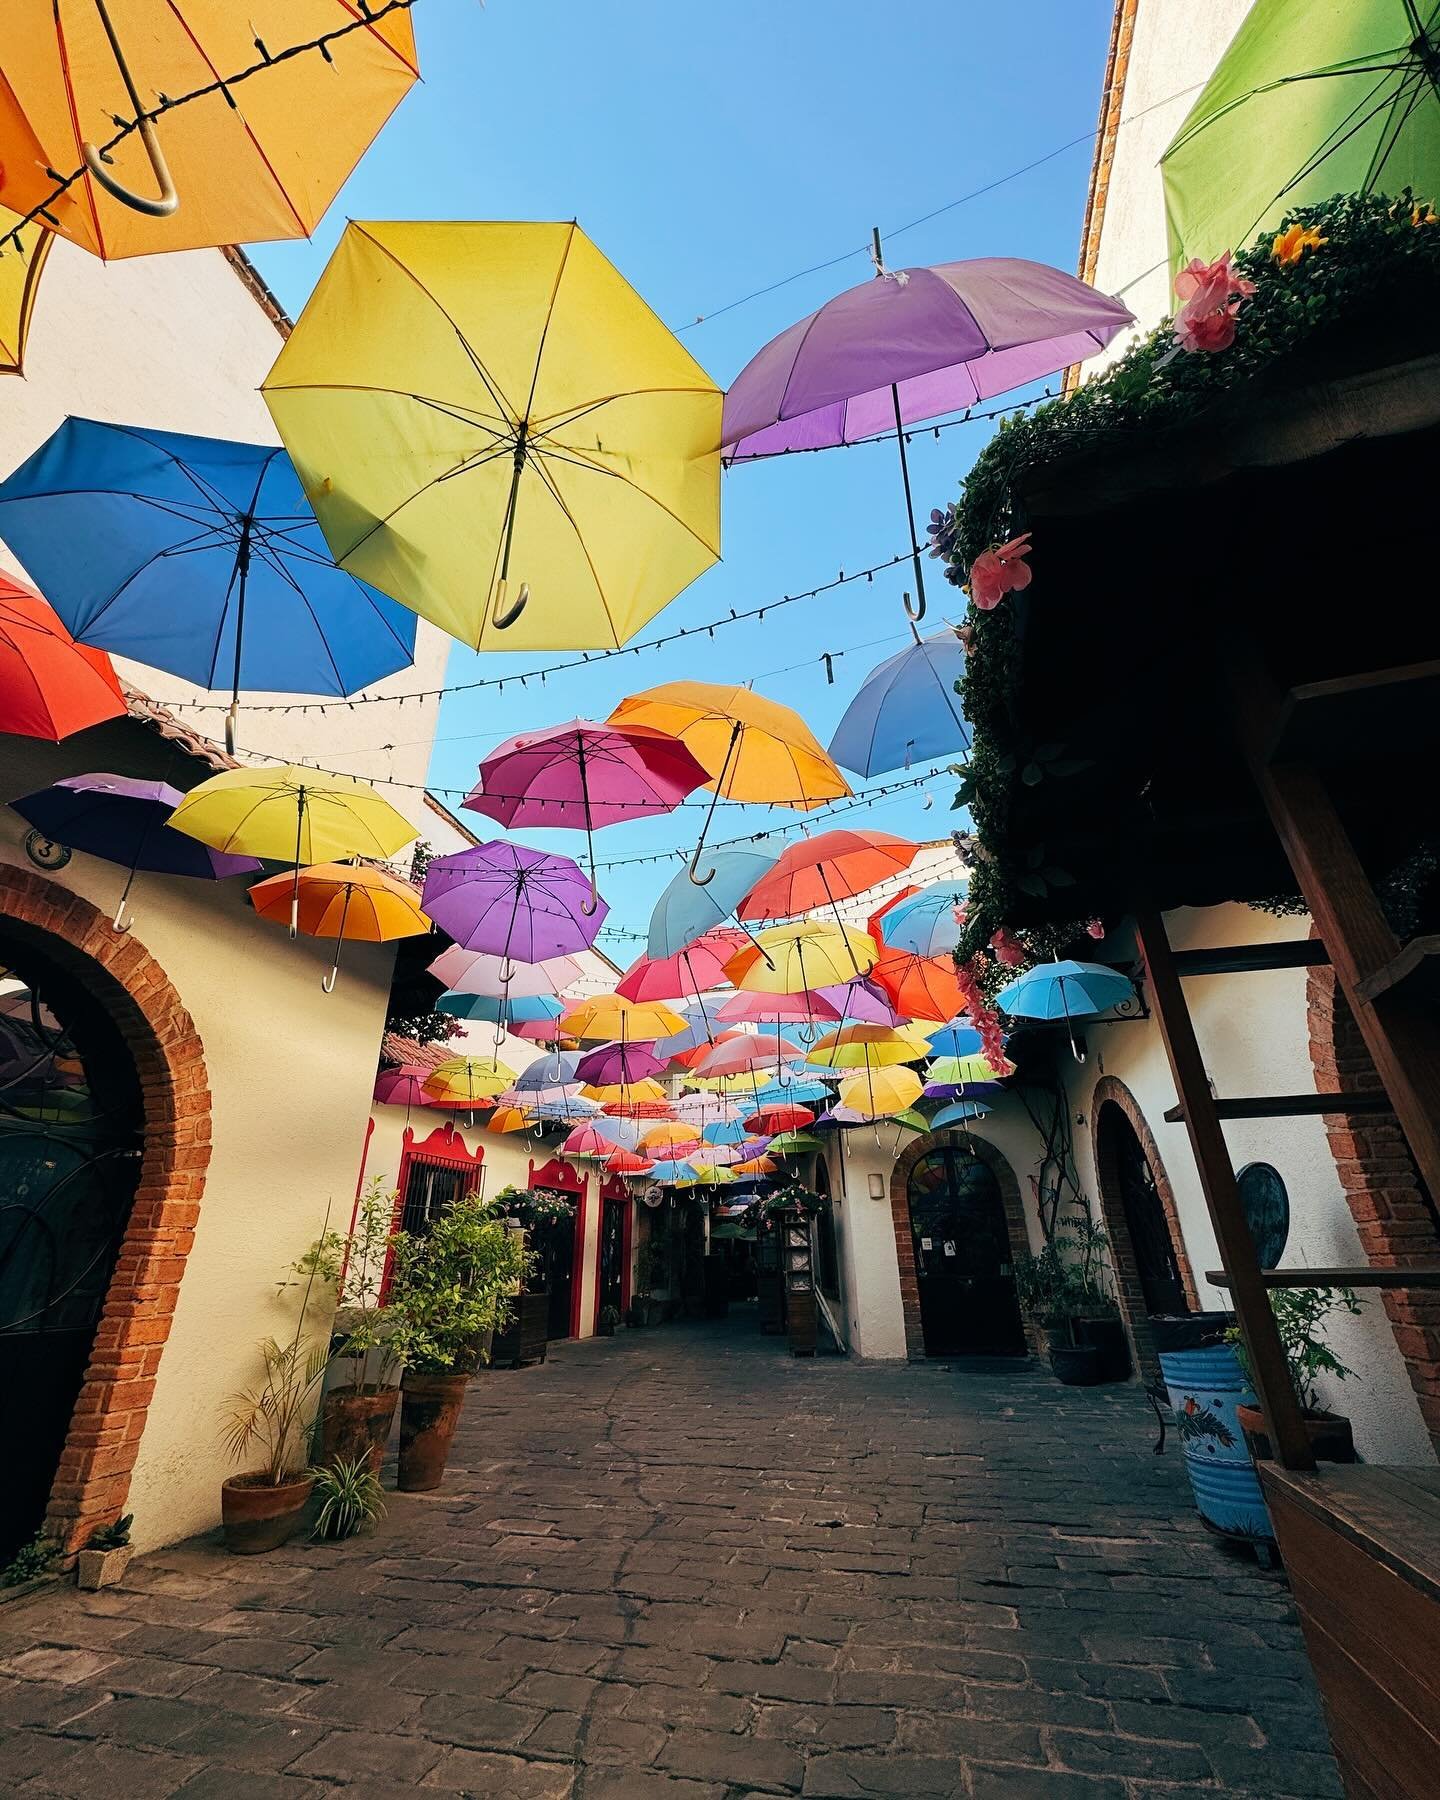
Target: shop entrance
(963, 1266)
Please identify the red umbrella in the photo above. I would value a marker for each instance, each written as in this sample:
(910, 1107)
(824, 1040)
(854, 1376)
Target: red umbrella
(770, 1121)
(922, 987)
(688, 974)
(626, 1162)
(819, 871)
(50, 686)
(687, 1059)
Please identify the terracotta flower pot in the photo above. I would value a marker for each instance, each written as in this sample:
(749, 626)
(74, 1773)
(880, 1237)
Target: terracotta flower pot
(356, 1422)
(429, 1412)
(257, 1515)
(1330, 1435)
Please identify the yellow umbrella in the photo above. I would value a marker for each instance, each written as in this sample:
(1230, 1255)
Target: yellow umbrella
(292, 814)
(624, 1093)
(806, 954)
(19, 277)
(868, 1047)
(507, 1118)
(711, 1175)
(252, 159)
(476, 408)
(462, 1080)
(750, 747)
(879, 1092)
(613, 1019)
(343, 900)
(668, 1135)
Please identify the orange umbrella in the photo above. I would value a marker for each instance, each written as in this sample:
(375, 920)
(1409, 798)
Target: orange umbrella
(675, 1139)
(343, 901)
(259, 155)
(50, 686)
(821, 870)
(757, 1165)
(613, 1019)
(921, 987)
(507, 1118)
(19, 278)
(624, 1093)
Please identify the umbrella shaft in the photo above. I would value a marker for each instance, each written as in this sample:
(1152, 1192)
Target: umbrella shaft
(919, 612)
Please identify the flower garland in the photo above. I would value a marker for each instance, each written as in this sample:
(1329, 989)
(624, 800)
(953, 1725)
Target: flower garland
(1238, 317)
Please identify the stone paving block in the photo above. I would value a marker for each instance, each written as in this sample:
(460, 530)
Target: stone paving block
(1108, 1754)
(648, 1784)
(719, 1756)
(357, 1756)
(32, 1754)
(477, 1724)
(481, 1773)
(45, 1704)
(253, 1741)
(827, 1727)
(241, 1784)
(48, 1663)
(993, 1783)
(101, 1771)
(846, 1776)
(139, 1719)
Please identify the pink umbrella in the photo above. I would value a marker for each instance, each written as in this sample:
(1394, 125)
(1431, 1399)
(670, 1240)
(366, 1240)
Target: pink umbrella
(746, 1052)
(401, 1087)
(478, 972)
(770, 1009)
(618, 1065)
(705, 1109)
(585, 1140)
(584, 776)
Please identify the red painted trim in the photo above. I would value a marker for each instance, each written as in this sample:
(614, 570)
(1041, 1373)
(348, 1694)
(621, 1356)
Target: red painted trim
(614, 1192)
(444, 1145)
(582, 1206)
(625, 1251)
(355, 1208)
(559, 1175)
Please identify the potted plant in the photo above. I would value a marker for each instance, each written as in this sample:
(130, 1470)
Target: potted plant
(1096, 1321)
(608, 1320)
(348, 1490)
(356, 1415)
(448, 1289)
(106, 1555)
(32, 1562)
(1299, 1313)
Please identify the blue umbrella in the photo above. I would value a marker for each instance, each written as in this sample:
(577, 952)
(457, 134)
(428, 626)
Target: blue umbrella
(959, 1112)
(906, 710)
(789, 1093)
(685, 912)
(924, 924)
(725, 1131)
(574, 1111)
(1065, 990)
(200, 557)
(699, 1019)
(554, 1070)
(958, 1038)
(669, 1173)
(521, 1009)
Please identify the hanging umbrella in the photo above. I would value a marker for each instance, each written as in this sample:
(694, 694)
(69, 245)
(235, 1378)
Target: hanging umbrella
(921, 987)
(720, 1132)
(555, 1070)
(755, 1165)
(958, 1112)
(958, 1038)
(476, 406)
(868, 1047)
(776, 1009)
(685, 912)
(477, 972)
(910, 345)
(924, 922)
(626, 1162)
(200, 557)
(20, 269)
(796, 958)
(572, 1110)
(795, 1090)
(743, 1053)
(699, 1030)
(292, 814)
(709, 1174)
(619, 1064)
(612, 1018)
(1308, 101)
(466, 1080)
(823, 870)
(686, 1060)
(584, 776)
(632, 1107)
(968, 1076)
(250, 161)
(403, 1086)
(539, 1096)
(586, 1141)
(628, 1094)
(523, 1010)
(750, 748)
(794, 1143)
(767, 1121)
(860, 1001)
(878, 1092)
(906, 710)
(125, 821)
(343, 901)
(1065, 990)
(670, 1137)
(505, 1119)
(704, 1109)
(50, 686)
(697, 966)
(669, 1173)
(513, 902)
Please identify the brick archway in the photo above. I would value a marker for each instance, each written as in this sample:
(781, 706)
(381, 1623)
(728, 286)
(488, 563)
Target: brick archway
(900, 1215)
(103, 1442)
(1394, 1216)
(1109, 1091)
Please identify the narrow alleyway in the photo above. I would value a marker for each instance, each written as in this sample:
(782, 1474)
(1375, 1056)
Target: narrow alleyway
(680, 1565)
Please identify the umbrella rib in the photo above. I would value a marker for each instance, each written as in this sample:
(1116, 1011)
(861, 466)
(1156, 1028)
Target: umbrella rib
(538, 465)
(549, 315)
(641, 489)
(468, 467)
(1333, 142)
(1390, 136)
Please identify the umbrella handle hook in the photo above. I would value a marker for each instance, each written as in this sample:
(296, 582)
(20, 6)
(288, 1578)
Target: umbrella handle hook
(914, 613)
(95, 159)
(328, 981)
(502, 617)
(591, 905)
(507, 974)
(120, 923)
(695, 876)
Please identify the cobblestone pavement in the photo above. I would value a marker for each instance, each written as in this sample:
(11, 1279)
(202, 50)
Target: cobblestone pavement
(680, 1565)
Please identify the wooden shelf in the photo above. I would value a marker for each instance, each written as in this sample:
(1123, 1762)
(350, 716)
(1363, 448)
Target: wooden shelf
(1246, 959)
(1328, 721)
(1291, 1106)
(1416, 969)
(1421, 1275)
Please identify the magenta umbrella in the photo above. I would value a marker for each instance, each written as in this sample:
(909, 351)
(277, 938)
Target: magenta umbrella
(401, 1087)
(513, 902)
(910, 345)
(618, 1065)
(584, 776)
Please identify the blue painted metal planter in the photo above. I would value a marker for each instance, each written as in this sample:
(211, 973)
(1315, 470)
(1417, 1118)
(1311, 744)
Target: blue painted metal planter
(1206, 1385)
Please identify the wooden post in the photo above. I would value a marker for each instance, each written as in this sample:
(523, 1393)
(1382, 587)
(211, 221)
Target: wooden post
(1399, 1030)
(1268, 1367)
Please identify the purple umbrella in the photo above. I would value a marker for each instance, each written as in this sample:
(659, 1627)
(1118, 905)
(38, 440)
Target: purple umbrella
(513, 902)
(616, 1065)
(910, 345)
(124, 821)
(861, 1000)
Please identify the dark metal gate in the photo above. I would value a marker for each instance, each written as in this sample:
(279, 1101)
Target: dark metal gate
(1155, 1258)
(70, 1147)
(963, 1264)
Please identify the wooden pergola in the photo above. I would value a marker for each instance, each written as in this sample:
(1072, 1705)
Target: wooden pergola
(1235, 621)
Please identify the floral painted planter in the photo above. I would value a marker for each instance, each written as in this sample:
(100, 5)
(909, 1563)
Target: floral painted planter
(1206, 1386)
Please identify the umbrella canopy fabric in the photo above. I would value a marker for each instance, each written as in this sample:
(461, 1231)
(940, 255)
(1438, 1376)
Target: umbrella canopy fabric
(344, 900)
(867, 1047)
(478, 972)
(859, 1000)
(50, 686)
(125, 820)
(627, 1162)
(459, 1080)
(693, 969)
(670, 1173)
(20, 271)
(522, 905)
(966, 1074)
(769, 1120)
(791, 959)
(922, 987)
(584, 776)
(198, 556)
(776, 1009)
(878, 1092)
(819, 871)
(555, 1070)
(958, 1112)
(742, 1053)
(586, 1140)
(674, 1138)
(507, 1118)
(1308, 101)
(247, 162)
(924, 922)
(611, 1017)
(401, 1087)
(906, 710)
(485, 414)
(493, 1009)
(723, 1133)
(685, 912)
(958, 1038)
(292, 814)
(945, 337)
(619, 1065)
(1065, 990)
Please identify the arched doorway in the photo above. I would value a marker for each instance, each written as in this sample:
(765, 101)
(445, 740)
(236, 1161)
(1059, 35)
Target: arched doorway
(71, 1136)
(962, 1253)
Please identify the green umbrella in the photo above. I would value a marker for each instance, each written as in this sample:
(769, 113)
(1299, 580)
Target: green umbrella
(1313, 98)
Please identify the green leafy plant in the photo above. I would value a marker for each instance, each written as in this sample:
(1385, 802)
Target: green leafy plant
(1066, 1280)
(115, 1536)
(351, 1265)
(452, 1286)
(272, 1416)
(350, 1499)
(1299, 1313)
(609, 1318)
(31, 1561)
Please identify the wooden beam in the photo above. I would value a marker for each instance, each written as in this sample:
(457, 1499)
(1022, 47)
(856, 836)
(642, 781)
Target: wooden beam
(1422, 1275)
(1291, 1106)
(1246, 959)
(1417, 966)
(1268, 1367)
(1322, 721)
(1397, 1023)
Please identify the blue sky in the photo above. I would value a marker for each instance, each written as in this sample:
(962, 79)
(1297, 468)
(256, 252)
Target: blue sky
(710, 150)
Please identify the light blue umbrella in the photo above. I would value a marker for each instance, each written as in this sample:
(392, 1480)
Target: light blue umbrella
(1065, 990)
(685, 912)
(924, 924)
(906, 710)
(574, 1111)
(494, 1009)
(555, 1070)
(198, 556)
(959, 1112)
(958, 1038)
(724, 1131)
(669, 1173)
(699, 1017)
(795, 1092)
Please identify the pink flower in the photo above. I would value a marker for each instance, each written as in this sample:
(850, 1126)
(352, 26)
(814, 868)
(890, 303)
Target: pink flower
(961, 911)
(1008, 948)
(1095, 929)
(1210, 295)
(998, 572)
